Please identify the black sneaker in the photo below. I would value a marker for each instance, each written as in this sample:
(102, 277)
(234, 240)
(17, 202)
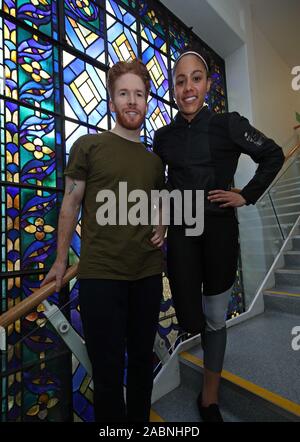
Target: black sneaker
(210, 413)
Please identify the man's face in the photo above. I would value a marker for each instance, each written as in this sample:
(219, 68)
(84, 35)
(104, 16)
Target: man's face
(190, 85)
(129, 101)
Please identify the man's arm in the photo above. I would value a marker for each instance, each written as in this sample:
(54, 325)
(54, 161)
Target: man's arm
(68, 216)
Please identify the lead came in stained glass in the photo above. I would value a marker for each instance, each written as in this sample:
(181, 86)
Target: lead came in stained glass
(122, 42)
(30, 68)
(151, 37)
(157, 65)
(40, 14)
(118, 12)
(159, 114)
(151, 17)
(85, 92)
(85, 37)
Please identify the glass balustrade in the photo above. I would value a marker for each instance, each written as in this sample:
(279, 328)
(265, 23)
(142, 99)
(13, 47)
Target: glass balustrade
(265, 226)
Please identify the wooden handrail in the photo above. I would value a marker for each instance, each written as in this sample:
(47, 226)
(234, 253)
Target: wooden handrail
(292, 152)
(38, 296)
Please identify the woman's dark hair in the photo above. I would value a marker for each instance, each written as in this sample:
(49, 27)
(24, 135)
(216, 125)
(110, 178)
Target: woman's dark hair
(201, 51)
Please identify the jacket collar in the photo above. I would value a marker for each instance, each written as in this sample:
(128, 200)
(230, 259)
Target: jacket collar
(181, 121)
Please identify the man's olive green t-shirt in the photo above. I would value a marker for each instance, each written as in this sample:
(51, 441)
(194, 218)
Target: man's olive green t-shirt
(115, 251)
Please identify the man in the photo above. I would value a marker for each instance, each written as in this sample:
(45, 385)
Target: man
(202, 149)
(120, 281)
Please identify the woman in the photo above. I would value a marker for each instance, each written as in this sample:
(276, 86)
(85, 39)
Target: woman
(201, 149)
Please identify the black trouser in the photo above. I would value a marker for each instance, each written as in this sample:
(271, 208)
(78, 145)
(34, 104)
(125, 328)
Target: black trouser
(117, 315)
(199, 268)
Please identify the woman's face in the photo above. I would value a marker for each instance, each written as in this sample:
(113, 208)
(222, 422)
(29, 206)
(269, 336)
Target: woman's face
(191, 85)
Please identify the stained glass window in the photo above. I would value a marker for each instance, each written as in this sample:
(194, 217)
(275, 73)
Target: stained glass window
(41, 15)
(54, 58)
(85, 32)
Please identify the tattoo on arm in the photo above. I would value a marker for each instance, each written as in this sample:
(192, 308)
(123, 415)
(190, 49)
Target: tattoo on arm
(74, 184)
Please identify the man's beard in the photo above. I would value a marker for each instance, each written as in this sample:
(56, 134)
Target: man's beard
(128, 123)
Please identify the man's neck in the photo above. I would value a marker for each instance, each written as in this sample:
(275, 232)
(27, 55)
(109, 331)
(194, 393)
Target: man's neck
(131, 135)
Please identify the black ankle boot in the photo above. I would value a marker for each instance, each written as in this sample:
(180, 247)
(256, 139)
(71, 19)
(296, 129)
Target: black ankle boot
(210, 413)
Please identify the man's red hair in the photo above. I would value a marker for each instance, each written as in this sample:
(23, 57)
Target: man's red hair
(135, 66)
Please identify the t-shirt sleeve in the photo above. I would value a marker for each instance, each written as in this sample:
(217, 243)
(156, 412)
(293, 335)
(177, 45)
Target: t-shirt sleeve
(77, 166)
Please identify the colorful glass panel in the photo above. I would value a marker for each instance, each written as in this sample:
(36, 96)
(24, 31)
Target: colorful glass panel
(84, 11)
(37, 388)
(130, 3)
(151, 37)
(121, 14)
(40, 14)
(159, 114)
(152, 17)
(86, 38)
(157, 65)
(179, 38)
(31, 64)
(32, 140)
(122, 42)
(85, 91)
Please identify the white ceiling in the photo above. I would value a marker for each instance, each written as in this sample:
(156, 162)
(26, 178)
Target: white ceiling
(279, 20)
(204, 20)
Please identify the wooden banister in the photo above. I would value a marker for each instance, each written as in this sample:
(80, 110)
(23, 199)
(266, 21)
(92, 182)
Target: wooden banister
(292, 152)
(38, 296)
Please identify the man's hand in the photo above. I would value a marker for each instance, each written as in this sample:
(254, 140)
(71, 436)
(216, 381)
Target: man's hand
(159, 235)
(56, 273)
(231, 199)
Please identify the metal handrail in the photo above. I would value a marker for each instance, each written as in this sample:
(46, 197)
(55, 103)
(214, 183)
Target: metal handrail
(38, 296)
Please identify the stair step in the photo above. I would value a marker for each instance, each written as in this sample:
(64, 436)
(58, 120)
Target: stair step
(290, 180)
(287, 185)
(260, 379)
(296, 242)
(285, 219)
(280, 193)
(285, 290)
(272, 229)
(282, 210)
(287, 277)
(259, 350)
(236, 405)
(292, 259)
(282, 301)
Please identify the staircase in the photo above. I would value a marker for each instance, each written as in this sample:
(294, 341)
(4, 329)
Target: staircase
(260, 379)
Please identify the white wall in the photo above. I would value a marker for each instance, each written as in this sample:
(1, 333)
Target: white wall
(231, 12)
(274, 110)
(268, 101)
